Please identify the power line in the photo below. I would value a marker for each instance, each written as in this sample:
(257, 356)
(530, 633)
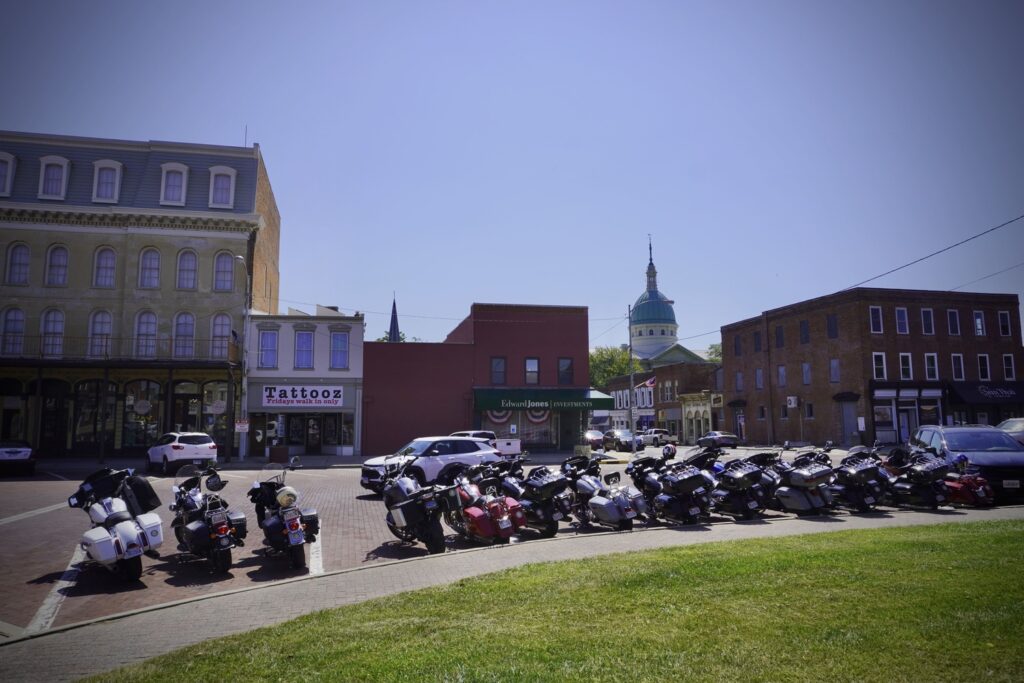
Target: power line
(998, 272)
(936, 253)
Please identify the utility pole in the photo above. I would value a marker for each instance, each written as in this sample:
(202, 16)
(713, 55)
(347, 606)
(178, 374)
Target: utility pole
(632, 387)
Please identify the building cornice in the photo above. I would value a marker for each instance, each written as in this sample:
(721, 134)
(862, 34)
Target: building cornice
(126, 216)
(129, 145)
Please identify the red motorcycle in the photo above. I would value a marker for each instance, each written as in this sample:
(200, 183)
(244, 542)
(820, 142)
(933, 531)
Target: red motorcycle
(485, 515)
(968, 489)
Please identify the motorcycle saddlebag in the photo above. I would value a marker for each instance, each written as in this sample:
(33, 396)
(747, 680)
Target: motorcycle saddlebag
(408, 513)
(152, 527)
(237, 520)
(311, 520)
(100, 545)
(139, 495)
(682, 480)
(739, 476)
(545, 486)
(605, 509)
(927, 471)
(197, 535)
(479, 522)
(810, 475)
(862, 471)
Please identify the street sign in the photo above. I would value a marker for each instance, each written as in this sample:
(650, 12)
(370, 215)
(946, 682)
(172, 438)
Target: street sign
(241, 425)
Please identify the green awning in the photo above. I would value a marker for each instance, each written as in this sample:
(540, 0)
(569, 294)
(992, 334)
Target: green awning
(541, 399)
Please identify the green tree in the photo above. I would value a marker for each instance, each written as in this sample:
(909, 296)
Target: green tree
(715, 353)
(607, 362)
(401, 338)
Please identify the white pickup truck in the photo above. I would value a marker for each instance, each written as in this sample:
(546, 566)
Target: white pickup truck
(656, 437)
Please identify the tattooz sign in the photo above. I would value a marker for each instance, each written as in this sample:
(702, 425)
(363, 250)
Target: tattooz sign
(302, 396)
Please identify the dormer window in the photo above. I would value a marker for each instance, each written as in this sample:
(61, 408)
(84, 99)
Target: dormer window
(53, 177)
(173, 184)
(222, 187)
(6, 173)
(106, 181)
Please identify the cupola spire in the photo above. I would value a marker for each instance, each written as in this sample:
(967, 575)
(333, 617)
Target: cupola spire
(652, 272)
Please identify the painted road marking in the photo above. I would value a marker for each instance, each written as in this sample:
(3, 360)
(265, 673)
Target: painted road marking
(47, 613)
(56, 476)
(32, 513)
(316, 556)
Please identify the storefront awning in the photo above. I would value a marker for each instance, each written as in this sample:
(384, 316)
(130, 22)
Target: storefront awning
(989, 392)
(542, 399)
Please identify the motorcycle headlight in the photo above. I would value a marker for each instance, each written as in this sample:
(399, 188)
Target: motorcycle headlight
(286, 496)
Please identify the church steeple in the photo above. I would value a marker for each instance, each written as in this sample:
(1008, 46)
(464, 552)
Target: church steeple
(393, 333)
(652, 272)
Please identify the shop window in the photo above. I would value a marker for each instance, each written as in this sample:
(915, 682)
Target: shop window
(958, 367)
(565, 371)
(532, 370)
(215, 411)
(143, 412)
(94, 417)
(186, 407)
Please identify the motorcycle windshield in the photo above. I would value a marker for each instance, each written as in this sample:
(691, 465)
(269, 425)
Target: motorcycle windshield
(273, 472)
(187, 478)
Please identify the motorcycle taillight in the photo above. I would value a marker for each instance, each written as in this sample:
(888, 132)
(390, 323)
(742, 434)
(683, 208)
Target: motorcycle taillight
(293, 524)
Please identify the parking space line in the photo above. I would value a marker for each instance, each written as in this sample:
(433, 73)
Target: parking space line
(32, 513)
(47, 613)
(316, 556)
(56, 476)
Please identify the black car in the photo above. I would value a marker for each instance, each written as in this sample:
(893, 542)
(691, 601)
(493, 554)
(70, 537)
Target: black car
(618, 439)
(991, 453)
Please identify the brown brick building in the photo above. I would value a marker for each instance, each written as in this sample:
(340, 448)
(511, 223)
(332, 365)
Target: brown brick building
(868, 364)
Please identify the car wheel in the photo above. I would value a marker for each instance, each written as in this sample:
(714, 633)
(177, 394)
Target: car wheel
(165, 467)
(657, 442)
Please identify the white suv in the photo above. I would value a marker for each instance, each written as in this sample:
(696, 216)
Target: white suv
(178, 448)
(438, 459)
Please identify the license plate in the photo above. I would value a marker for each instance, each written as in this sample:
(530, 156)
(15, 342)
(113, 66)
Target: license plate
(197, 462)
(631, 514)
(939, 498)
(556, 516)
(1011, 483)
(694, 511)
(504, 523)
(869, 499)
(296, 537)
(752, 504)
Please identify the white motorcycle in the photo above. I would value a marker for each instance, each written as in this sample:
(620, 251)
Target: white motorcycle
(120, 507)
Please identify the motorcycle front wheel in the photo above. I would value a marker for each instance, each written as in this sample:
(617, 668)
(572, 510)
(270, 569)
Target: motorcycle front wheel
(129, 569)
(625, 525)
(402, 534)
(550, 528)
(434, 538)
(297, 556)
(220, 560)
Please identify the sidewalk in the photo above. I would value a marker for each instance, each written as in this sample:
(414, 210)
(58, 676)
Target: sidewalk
(94, 647)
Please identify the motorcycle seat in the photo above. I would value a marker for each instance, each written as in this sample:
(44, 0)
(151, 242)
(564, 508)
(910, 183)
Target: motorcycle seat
(116, 518)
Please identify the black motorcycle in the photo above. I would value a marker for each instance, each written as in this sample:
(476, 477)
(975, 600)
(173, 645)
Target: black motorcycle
(675, 491)
(920, 478)
(543, 494)
(857, 482)
(801, 486)
(286, 528)
(414, 511)
(203, 523)
(737, 488)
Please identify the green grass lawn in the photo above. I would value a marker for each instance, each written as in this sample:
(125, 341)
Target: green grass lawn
(939, 603)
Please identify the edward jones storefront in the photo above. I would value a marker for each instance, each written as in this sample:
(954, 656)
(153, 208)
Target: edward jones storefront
(539, 418)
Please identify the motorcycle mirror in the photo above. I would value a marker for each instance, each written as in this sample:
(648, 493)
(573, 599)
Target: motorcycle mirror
(294, 463)
(72, 502)
(215, 483)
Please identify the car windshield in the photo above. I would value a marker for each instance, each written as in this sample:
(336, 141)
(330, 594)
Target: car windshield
(982, 441)
(416, 447)
(195, 439)
(1015, 423)
(14, 444)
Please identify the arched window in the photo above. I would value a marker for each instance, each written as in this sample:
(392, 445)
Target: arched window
(222, 187)
(184, 335)
(223, 270)
(103, 271)
(145, 335)
(53, 333)
(106, 181)
(17, 265)
(53, 177)
(188, 269)
(57, 266)
(149, 269)
(221, 333)
(173, 184)
(13, 332)
(100, 328)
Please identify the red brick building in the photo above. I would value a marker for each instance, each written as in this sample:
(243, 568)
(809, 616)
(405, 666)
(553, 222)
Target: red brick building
(868, 364)
(520, 371)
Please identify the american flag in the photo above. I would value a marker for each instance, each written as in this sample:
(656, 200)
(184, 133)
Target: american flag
(649, 383)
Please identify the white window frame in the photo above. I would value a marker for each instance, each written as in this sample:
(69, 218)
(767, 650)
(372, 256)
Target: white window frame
(874, 366)
(231, 173)
(117, 167)
(5, 189)
(871, 320)
(905, 321)
(50, 160)
(263, 348)
(931, 367)
(142, 268)
(220, 343)
(1009, 369)
(951, 315)
(312, 349)
(987, 376)
(928, 329)
(230, 269)
(164, 170)
(909, 367)
(957, 377)
(1005, 316)
(976, 317)
(49, 266)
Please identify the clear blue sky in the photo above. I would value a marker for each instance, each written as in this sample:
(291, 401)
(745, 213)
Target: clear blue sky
(520, 152)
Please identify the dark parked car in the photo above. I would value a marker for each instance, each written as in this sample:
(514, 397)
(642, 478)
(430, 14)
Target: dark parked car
(594, 439)
(17, 456)
(1014, 427)
(720, 439)
(618, 440)
(991, 453)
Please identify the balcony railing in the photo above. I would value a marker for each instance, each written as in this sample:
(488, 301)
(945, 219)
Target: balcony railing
(108, 348)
